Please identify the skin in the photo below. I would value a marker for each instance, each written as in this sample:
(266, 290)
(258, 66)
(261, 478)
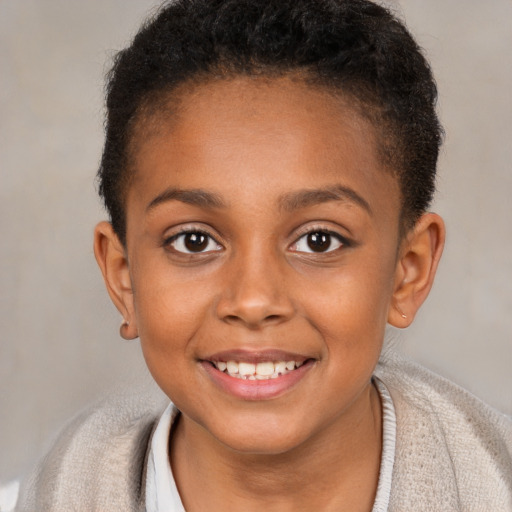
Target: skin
(258, 148)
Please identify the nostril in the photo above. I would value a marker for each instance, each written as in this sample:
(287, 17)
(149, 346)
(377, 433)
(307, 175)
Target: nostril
(254, 308)
(253, 322)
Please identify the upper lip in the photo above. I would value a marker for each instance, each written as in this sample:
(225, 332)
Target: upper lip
(256, 356)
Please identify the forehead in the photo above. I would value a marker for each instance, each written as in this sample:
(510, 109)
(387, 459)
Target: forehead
(233, 136)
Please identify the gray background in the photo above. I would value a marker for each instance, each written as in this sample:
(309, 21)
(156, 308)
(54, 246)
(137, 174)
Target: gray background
(59, 345)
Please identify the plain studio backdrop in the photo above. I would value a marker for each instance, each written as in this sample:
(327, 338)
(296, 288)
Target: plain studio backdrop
(60, 347)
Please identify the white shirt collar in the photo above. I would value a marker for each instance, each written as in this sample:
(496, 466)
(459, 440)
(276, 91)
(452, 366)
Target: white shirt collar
(387, 459)
(161, 491)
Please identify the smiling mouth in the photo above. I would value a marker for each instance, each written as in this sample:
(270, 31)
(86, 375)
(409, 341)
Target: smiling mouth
(264, 370)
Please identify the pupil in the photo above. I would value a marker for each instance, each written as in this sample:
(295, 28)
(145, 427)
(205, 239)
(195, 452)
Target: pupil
(319, 241)
(195, 242)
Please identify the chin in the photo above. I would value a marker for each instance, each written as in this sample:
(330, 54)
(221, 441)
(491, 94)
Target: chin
(261, 439)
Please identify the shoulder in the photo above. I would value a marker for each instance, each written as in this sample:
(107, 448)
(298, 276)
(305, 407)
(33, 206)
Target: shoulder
(451, 447)
(98, 460)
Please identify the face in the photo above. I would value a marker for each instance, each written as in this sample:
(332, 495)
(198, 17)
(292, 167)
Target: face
(262, 236)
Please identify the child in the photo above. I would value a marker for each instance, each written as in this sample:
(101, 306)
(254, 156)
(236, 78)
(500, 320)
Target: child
(268, 169)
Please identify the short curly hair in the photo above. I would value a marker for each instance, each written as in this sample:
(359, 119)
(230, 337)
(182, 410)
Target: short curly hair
(354, 47)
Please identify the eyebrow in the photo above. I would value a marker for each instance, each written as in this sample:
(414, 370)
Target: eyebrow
(195, 197)
(311, 197)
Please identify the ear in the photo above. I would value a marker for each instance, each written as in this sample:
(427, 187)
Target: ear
(112, 260)
(416, 268)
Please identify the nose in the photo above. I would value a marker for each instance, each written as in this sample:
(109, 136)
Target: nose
(255, 293)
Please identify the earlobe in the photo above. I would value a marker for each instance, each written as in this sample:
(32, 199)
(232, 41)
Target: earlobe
(416, 268)
(111, 257)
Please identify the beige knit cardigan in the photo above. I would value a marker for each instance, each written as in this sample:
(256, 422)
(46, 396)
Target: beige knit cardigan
(453, 453)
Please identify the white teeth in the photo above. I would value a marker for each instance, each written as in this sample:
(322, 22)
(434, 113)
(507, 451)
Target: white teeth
(265, 369)
(246, 368)
(261, 371)
(232, 367)
(280, 367)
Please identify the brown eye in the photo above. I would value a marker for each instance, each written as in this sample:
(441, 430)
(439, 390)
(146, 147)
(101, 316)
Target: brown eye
(318, 242)
(191, 242)
(195, 242)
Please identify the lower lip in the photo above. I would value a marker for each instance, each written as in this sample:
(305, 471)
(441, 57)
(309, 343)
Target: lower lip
(257, 389)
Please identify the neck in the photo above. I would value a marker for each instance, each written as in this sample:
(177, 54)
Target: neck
(335, 469)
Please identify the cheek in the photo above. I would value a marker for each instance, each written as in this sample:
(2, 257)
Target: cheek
(169, 311)
(168, 317)
(355, 297)
(167, 322)
(350, 311)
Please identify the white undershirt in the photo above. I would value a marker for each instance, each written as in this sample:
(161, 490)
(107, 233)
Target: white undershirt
(162, 494)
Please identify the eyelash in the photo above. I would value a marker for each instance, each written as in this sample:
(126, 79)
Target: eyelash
(170, 242)
(343, 242)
